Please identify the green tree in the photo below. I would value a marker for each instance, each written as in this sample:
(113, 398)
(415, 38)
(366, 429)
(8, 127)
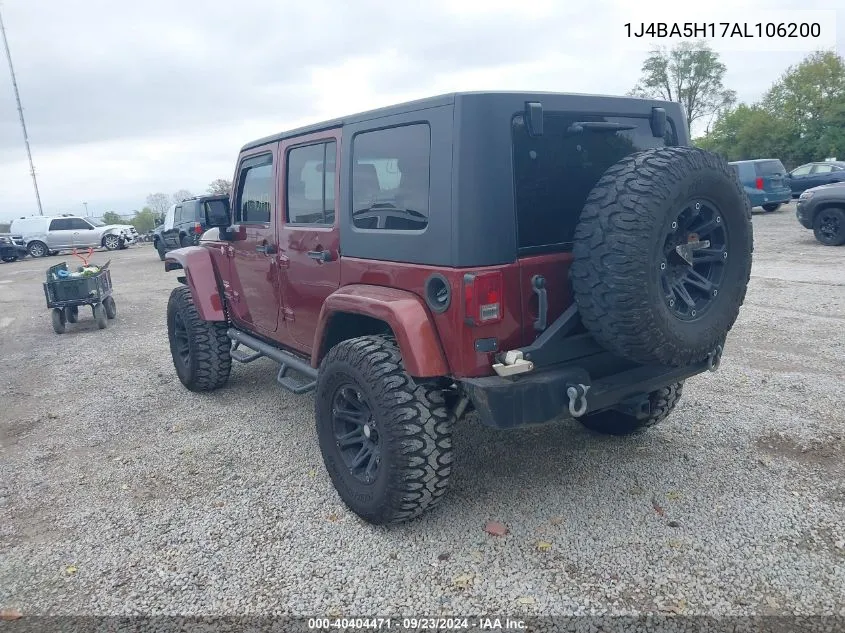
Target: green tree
(689, 73)
(220, 186)
(144, 220)
(110, 217)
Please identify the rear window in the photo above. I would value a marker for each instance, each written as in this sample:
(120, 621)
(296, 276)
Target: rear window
(769, 168)
(554, 173)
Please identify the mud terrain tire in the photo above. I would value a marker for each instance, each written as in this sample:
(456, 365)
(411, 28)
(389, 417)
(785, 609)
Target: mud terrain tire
(364, 379)
(612, 422)
(632, 246)
(200, 349)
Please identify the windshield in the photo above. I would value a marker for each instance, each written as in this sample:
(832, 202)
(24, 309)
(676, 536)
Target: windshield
(769, 168)
(96, 222)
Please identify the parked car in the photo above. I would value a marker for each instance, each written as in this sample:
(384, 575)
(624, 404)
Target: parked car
(529, 256)
(185, 222)
(815, 174)
(46, 235)
(765, 182)
(822, 209)
(11, 248)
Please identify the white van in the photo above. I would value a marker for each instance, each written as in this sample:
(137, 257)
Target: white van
(47, 235)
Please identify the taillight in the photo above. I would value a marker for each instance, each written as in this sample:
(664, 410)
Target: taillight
(198, 228)
(482, 298)
(759, 183)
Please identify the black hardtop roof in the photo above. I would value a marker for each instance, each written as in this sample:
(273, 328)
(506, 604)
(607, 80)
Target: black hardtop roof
(432, 102)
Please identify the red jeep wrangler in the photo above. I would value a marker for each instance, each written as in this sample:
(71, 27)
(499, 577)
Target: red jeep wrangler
(526, 256)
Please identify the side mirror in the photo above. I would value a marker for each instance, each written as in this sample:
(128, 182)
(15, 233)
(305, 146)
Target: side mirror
(217, 214)
(158, 221)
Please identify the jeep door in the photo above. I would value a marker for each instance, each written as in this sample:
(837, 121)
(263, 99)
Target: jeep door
(252, 290)
(309, 241)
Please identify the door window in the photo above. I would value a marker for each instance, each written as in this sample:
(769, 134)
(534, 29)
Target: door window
(310, 184)
(177, 215)
(62, 224)
(78, 224)
(390, 178)
(804, 170)
(822, 169)
(254, 204)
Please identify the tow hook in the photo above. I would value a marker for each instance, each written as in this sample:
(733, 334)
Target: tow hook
(714, 358)
(577, 393)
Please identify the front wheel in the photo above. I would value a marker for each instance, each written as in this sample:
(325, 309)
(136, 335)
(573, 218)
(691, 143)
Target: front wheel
(611, 422)
(771, 207)
(829, 227)
(111, 307)
(160, 248)
(386, 440)
(58, 319)
(200, 349)
(100, 316)
(111, 242)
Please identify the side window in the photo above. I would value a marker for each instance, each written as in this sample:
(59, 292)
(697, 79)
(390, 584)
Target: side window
(802, 171)
(78, 224)
(177, 215)
(255, 191)
(60, 225)
(310, 184)
(390, 178)
(822, 169)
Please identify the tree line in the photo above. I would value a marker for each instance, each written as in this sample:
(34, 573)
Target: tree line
(799, 119)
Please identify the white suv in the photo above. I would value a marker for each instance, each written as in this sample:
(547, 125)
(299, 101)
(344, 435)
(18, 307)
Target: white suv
(44, 234)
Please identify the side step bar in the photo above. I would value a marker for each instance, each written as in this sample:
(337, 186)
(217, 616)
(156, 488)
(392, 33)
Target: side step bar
(285, 359)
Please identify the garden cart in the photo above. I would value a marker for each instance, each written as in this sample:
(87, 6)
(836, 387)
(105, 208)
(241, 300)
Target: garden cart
(91, 286)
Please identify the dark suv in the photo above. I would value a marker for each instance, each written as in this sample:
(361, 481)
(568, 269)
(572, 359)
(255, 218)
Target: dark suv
(186, 221)
(529, 256)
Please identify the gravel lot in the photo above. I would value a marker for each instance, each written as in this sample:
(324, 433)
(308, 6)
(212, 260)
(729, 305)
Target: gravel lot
(122, 493)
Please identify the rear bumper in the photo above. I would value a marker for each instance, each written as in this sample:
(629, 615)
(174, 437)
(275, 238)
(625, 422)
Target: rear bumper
(759, 198)
(537, 398)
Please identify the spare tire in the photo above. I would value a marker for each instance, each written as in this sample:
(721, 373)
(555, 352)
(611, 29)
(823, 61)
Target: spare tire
(662, 256)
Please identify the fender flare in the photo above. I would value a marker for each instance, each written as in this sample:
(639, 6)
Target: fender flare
(201, 278)
(405, 314)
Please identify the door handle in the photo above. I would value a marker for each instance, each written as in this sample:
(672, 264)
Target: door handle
(267, 249)
(320, 256)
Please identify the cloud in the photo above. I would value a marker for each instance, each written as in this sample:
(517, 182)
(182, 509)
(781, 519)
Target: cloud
(123, 99)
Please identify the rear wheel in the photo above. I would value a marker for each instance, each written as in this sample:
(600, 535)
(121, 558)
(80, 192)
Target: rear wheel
(771, 207)
(386, 440)
(200, 349)
(186, 240)
(38, 249)
(663, 256)
(58, 318)
(611, 422)
(829, 227)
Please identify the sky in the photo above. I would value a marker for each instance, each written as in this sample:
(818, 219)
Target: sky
(123, 99)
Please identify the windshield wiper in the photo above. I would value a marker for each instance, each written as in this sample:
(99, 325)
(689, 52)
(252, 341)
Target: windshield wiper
(598, 126)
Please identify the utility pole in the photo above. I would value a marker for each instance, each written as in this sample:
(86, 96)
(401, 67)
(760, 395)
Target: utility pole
(86, 209)
(20, 112)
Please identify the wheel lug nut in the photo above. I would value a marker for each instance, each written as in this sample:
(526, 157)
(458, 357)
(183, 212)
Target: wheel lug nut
(725, 255)
(718, 219)
(671, 302)
(715, 292)
(663, 266)
(692, 313)
(697, 206)
(674, 225)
